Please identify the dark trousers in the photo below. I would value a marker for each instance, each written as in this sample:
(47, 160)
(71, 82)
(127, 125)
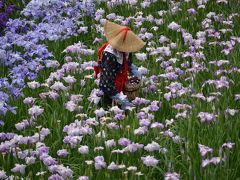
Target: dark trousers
(105, 102)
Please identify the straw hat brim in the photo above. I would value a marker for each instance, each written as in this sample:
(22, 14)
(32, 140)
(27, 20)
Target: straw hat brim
(132, 43)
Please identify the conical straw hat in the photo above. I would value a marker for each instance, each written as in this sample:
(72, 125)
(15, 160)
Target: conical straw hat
(122, 38)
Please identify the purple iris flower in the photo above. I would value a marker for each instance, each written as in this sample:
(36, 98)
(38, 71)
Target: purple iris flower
(1, 4)
(3, 19)
(11, 8)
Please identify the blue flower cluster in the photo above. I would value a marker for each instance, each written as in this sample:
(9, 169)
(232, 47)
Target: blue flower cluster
(5, 11)
(22, 51)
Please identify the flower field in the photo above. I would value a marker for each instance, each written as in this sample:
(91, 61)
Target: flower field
(184, 124)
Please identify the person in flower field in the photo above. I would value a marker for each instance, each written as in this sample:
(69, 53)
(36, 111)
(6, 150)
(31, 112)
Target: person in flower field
(115, 62)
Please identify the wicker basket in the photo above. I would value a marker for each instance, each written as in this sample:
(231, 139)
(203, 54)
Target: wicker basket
(131, 89)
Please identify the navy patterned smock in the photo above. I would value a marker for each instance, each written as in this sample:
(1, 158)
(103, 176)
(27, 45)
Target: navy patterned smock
(110, 67)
